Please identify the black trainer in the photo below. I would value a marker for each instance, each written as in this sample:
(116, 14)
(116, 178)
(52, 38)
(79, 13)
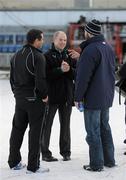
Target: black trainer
(66, 158)
(49, 159)
(88, 168)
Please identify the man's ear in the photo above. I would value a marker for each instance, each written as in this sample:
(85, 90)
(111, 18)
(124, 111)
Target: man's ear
(90, 35)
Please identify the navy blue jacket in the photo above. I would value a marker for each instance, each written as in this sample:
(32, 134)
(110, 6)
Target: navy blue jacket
(95, 79)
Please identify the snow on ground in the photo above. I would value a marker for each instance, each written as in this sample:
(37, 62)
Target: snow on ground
(60, 170)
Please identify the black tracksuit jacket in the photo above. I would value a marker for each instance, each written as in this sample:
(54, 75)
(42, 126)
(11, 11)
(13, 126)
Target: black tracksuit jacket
(27, 74)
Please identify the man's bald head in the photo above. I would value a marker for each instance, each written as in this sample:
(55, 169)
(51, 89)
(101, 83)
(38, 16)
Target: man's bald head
(60, 40)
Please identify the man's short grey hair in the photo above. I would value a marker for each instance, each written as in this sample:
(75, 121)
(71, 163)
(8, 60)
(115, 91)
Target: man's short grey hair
(57, 33)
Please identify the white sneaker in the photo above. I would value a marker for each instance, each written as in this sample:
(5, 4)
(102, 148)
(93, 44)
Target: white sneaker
(40, 170)
(19, 166)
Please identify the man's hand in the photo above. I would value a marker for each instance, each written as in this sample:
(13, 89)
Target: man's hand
(65, 66)
(73, 54)
(79, 106)
(45, 100)
(76, 104)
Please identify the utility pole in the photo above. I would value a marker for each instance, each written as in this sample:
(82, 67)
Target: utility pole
(91, 3)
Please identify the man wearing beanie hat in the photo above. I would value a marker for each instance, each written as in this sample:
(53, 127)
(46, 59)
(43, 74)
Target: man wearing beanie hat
(93, 27)
(95, 81)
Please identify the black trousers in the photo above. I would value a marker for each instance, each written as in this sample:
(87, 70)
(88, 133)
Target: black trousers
(64, 118)
(26, 112)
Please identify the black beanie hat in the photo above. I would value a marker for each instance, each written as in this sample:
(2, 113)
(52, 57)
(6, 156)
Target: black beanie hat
(93, 27)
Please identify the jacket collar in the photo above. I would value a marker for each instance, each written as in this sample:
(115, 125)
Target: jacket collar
(92, 40)
(58, 51)
(30, 46)
(96, 39)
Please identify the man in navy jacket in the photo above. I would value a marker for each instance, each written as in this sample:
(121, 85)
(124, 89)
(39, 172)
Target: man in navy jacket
(94, 87)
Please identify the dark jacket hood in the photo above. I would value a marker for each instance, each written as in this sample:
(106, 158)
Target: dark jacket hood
(91, 40)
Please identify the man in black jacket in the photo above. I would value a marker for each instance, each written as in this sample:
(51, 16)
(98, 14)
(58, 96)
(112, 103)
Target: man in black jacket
(94, 87)
(28, 83)
(60, 76)
(122, 78)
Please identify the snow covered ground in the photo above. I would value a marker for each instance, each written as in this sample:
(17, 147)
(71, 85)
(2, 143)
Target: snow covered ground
(60, 170)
